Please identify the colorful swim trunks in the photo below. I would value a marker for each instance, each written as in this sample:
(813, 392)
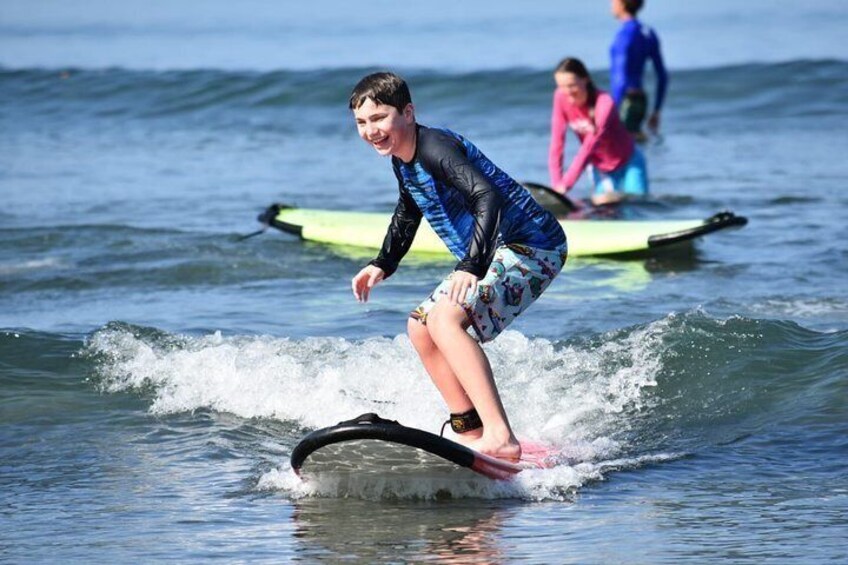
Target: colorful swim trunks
(516, 278)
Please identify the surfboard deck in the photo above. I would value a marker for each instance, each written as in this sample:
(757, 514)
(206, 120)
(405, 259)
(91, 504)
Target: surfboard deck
(585, 237)
(370, 445)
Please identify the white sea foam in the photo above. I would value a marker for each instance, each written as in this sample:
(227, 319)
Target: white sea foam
(573, 396)
(802, 307)
(18, 267)
(558, 483)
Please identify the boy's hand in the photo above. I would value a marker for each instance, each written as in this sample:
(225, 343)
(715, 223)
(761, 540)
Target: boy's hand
(365, 280)
(461, 284)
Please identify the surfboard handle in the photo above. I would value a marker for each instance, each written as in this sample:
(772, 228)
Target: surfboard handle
(368, 418)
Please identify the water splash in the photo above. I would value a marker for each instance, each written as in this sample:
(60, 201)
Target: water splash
(572, 395)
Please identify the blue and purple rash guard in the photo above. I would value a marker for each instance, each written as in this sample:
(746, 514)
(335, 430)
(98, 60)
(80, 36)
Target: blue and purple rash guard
(470, 203)
(633, 45)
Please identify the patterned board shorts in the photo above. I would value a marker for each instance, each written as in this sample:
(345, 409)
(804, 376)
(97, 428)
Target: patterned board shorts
(516, 278)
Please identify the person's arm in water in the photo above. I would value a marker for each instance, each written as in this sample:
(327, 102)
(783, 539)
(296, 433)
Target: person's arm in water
(556, 149)
(662, 81)
(604, 107)
(449, 163)
(398, 240)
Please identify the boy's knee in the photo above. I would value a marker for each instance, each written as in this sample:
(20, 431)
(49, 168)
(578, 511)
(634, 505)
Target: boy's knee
(445, 316)
(418, 333)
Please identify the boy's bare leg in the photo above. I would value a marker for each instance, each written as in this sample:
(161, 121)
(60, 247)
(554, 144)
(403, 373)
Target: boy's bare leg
(441, 373)
(447, 324)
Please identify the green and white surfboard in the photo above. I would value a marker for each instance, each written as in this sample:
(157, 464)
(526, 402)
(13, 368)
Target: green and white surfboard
(585, 237)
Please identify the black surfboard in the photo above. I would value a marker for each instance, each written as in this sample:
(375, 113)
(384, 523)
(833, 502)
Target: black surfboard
(372, 445)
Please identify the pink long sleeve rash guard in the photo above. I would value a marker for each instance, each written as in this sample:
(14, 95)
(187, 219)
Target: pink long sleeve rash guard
(604, 142)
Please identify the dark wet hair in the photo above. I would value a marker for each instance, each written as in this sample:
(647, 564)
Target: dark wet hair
(632, 6)
(577, 68)
(383, 88)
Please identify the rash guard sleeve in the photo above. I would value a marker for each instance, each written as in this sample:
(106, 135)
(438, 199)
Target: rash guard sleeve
(659, 67)
(400, 234)
(448, 162)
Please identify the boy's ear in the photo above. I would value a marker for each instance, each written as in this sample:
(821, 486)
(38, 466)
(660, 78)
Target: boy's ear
(409, 112)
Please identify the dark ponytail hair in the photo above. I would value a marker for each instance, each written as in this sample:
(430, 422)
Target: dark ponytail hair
(577, 68)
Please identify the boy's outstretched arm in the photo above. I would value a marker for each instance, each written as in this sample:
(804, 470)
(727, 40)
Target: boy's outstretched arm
(398, 240)
(400, 234)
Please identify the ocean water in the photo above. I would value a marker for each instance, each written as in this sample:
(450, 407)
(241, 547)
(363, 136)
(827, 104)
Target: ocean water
(156, 371)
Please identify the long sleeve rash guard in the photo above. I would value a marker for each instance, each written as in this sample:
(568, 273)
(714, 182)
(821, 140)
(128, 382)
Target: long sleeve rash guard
(633, 45)
(469, 202)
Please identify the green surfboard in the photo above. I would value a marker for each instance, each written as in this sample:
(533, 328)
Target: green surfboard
(585, 237)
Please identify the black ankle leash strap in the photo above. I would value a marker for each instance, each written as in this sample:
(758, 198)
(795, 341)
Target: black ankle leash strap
(464, 422)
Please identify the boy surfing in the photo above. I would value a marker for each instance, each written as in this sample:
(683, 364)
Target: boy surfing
(508, 247)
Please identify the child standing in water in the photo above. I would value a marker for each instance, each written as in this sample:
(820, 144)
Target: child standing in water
(509, 250)
(618, 166)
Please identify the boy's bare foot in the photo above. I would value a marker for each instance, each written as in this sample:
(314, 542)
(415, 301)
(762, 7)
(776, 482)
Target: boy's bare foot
(508, 450)
(467, 438)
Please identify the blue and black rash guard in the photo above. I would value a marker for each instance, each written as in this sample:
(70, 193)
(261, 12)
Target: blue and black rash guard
(633, 45)
(469, 202)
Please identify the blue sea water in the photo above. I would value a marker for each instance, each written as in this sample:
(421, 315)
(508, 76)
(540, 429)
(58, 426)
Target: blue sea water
(156, 372)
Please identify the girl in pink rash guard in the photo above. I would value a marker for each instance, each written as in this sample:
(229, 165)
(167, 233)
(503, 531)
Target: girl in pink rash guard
(618, 166)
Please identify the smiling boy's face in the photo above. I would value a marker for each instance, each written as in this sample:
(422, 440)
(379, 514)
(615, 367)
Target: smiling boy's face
(385, 129)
